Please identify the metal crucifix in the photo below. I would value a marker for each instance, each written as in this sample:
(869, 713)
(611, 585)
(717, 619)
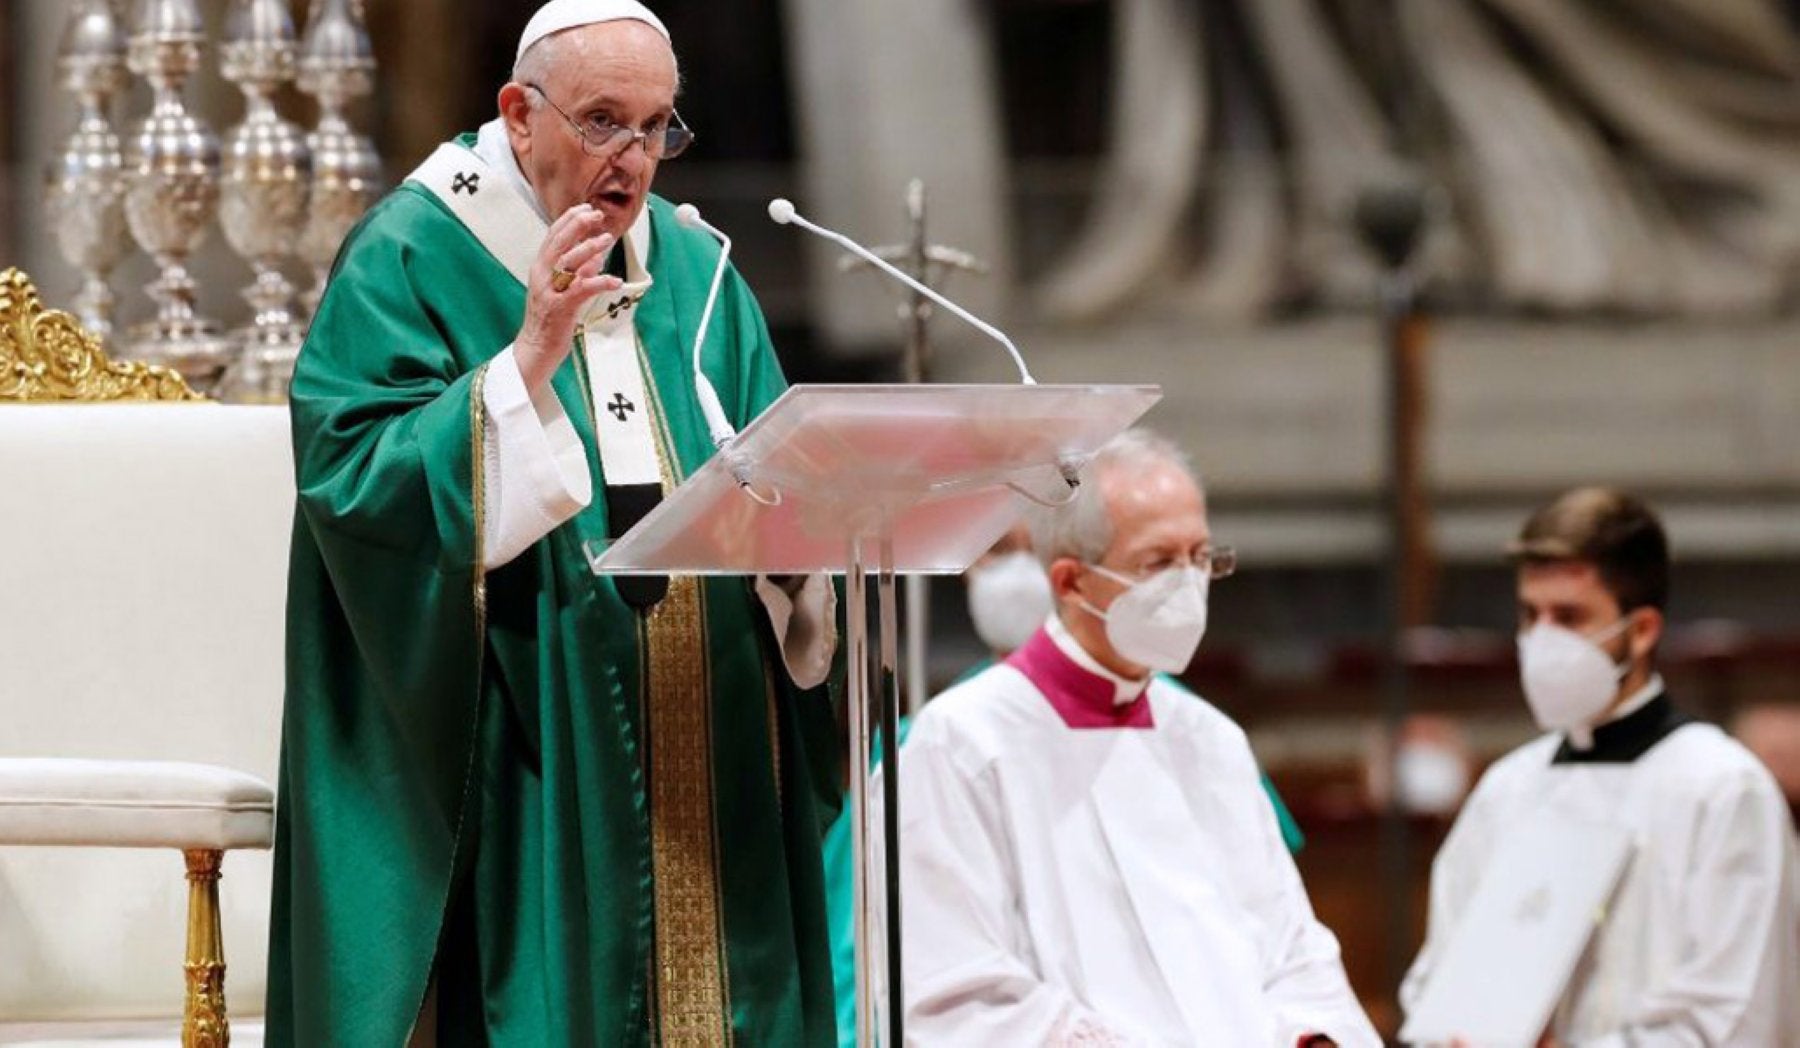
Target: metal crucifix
(927, 263)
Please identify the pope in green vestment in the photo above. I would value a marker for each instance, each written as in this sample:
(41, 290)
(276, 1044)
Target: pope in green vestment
(575, 823)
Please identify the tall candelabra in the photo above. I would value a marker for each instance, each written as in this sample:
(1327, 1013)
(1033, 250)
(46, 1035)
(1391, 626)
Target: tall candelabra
(84, 187)
(337, 66)
(172, 178)
(266, 173)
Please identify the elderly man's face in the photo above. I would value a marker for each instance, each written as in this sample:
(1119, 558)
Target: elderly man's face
(620, 72)
(1158, 520)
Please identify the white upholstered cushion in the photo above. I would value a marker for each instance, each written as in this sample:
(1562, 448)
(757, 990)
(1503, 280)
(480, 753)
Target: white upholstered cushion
(141, 618)
(132, 804)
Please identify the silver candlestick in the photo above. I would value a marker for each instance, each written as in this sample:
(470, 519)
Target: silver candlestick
(172, 190)
(84, 186)
(266, 174)
(337, 66)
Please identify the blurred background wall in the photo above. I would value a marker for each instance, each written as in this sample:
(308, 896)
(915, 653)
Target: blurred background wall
(1603, 290)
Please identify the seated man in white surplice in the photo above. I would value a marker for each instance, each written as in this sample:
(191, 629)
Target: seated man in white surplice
(1087, 855)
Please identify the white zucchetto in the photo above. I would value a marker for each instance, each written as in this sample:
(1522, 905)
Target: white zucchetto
(558, 15)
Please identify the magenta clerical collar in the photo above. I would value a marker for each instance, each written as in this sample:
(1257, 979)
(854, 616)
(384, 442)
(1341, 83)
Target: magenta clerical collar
(1082, 698)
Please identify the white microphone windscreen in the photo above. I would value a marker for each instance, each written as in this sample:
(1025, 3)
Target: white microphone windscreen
(688, 215)
(781, 209)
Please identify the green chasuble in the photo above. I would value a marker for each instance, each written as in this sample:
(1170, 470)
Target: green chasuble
(590, 826)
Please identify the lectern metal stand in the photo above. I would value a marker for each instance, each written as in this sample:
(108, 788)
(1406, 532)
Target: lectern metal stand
(876, 480)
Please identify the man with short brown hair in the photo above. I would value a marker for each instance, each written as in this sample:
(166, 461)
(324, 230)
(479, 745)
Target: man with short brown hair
(1701, 942)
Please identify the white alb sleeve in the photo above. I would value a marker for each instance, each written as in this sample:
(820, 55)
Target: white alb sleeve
(803, 612)
(1305, 982)
(533, 465)
(1734, 980)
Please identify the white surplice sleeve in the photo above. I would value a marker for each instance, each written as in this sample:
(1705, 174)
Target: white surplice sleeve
(1305, 984)
(1736, 981)
(969, 979)
(533, 465)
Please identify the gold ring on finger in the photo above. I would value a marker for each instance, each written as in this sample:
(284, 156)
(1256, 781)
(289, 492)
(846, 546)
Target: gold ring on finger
(561, 278)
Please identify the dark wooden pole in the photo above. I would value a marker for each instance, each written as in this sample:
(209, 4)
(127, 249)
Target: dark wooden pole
(1391, 216)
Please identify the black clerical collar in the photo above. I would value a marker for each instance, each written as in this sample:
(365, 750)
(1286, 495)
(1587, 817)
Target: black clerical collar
(1628, 738)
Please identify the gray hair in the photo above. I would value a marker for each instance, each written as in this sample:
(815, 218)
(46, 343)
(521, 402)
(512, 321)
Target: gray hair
(1083, 527)
(535, 64)
(533, 67)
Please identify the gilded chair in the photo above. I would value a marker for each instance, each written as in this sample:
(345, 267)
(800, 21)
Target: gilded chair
(143, 539)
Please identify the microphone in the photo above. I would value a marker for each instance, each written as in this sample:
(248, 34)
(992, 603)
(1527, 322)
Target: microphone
(716, 422)
(782, 211)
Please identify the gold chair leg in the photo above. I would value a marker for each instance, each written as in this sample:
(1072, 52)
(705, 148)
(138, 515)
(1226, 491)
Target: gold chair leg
(203, 1023)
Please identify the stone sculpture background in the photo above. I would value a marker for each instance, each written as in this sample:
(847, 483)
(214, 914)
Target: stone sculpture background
(1587, 155)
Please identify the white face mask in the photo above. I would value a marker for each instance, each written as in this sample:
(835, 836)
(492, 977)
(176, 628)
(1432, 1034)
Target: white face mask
(1158, 622)
(1429, 779)
(1569, 681)
(1009, 598)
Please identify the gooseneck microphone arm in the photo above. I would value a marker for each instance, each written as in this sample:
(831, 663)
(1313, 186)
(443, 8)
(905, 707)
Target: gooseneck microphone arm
(782, 211)
(716, 423)
(720, 427)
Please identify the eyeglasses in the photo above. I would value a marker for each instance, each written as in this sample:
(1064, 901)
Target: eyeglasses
(1218, 562)
(604, 139)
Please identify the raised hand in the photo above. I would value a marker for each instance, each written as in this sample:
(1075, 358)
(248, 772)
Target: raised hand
(564, 279)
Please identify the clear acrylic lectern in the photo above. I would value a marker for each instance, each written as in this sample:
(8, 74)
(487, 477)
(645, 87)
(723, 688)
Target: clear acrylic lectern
(876, 480)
